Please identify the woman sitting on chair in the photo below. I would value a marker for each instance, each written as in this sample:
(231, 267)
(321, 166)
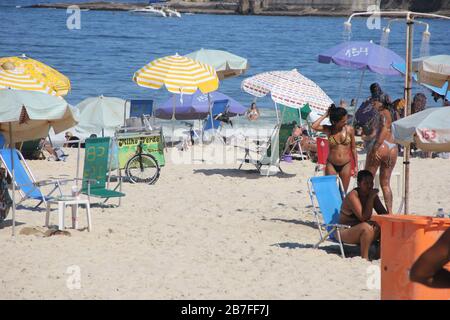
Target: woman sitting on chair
(341, 138)
(356, 211)
(293, 141)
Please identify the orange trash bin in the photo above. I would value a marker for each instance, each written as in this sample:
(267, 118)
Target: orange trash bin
(403, 239)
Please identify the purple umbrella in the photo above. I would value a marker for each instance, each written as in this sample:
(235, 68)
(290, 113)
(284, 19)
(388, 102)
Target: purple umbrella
(195, 106)
(363, 56)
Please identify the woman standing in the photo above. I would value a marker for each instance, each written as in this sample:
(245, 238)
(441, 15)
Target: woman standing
(383, 152)
(341, 140)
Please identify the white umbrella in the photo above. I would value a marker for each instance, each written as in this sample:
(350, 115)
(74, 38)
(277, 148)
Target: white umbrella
(99, 113)
(289, 88)
(433, 70)
(428, 129)
(27, 115)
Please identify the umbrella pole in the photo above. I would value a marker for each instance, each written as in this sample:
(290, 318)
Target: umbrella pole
(13, 181)
(173, 119)
(357, 96)
(78, 162)
(408, 81)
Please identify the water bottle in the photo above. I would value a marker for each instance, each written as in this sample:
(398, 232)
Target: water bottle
(440, 213)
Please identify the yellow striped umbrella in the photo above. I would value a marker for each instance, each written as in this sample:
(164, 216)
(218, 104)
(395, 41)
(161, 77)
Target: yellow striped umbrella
(179, 75)
(25, 68)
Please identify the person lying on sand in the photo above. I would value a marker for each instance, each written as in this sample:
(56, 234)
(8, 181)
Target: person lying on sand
(429, 267)
(356, 211)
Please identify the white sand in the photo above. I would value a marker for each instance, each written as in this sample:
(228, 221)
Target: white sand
(203, 231)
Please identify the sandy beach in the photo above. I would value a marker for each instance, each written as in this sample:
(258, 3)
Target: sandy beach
(203, 231)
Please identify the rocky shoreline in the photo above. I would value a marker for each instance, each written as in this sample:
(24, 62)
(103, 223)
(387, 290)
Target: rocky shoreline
(243, 7)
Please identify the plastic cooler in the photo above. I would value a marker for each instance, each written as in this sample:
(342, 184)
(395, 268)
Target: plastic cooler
(403, 239)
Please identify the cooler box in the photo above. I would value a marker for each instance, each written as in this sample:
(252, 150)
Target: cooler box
(403, 239)
(152, 143)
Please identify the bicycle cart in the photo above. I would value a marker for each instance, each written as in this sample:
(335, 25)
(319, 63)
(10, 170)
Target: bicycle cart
(141, 154)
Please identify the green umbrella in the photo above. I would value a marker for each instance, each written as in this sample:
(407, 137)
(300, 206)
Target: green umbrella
(99, 113)
(227, 65)
(28, 115)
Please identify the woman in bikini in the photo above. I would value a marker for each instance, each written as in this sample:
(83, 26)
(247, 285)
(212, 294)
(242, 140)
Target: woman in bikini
(382, 152)
(356, 212)
(253, 112)
(341, 140)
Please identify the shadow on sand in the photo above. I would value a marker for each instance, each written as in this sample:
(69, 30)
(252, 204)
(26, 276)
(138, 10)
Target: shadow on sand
(310, 224)
(248, 174)
(350, 250)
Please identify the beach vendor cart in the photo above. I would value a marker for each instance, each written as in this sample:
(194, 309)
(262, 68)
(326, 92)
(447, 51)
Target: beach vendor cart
(140, 150)
(141, 154)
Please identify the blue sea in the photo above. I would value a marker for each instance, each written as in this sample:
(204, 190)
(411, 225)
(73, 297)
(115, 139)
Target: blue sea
(102, 56)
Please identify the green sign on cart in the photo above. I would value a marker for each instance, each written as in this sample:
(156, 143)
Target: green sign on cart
(152, 143)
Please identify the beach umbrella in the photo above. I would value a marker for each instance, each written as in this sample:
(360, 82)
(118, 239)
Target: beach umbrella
(362, 55)
(36, 70)
(18, 79)
(428, 129)
(179, 75)
(226, 64)
(433, 70)
(99, 113)
(289, 88)
(443, 91)
(28, 115)
(196, 106)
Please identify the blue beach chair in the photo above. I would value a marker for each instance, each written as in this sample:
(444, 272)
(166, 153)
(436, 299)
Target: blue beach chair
(328, 192)
(25, 182)
(212, 124)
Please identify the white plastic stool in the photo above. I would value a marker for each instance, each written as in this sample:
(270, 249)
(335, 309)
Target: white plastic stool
(62, 203)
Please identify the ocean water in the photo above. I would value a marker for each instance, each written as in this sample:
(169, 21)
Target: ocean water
(102, 56)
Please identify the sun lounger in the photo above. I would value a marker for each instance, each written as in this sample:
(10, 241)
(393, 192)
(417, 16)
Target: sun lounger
(213, 124)
(32, 149)
(328, 192)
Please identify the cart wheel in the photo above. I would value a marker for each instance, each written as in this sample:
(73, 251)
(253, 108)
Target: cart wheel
(142, 168)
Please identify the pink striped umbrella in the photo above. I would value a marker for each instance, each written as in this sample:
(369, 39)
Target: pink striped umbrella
(289, 88)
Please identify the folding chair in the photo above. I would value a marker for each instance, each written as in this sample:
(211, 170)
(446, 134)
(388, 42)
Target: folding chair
(32, 149)
(25, 181)
(140, 111)
(212, 122)
(269, 155)
(328, 192)
(96, 172)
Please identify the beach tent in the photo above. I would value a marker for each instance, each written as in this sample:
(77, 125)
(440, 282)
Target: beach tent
(28, 115)
(54, 81)
(226, 64)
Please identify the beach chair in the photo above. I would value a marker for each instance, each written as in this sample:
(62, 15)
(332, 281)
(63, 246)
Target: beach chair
(97, 166)
(32, 150)
(140, 112)
(269, 156)
(328, 192)
(25, 181)
(212, 123)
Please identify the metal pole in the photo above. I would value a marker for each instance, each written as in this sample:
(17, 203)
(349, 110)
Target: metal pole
(13, 180)
(357, 96)
(408, 82)
(78, 162)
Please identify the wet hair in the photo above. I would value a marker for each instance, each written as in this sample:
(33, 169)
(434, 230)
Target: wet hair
(364, 174)
(336, 113)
